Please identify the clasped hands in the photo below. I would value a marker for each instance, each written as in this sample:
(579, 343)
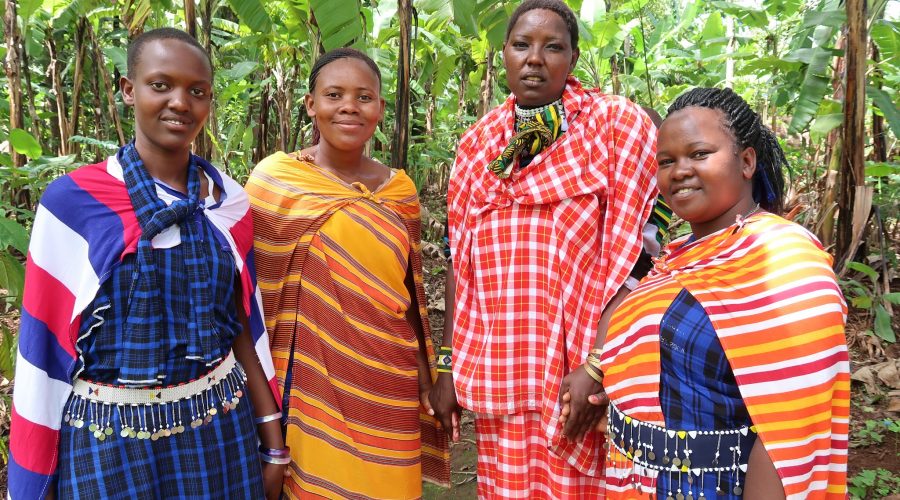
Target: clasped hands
(583, 402)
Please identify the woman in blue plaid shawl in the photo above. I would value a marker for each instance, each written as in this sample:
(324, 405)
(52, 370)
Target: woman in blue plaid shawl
(165, 351)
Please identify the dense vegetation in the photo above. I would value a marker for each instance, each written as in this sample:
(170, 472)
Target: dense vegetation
(825, 74)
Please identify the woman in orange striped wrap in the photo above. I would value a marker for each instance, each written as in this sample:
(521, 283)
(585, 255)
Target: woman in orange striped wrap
(726, 368)
(339, 263)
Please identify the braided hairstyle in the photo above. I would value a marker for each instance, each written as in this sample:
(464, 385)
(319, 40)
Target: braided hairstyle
(749, 132)
(557, 6)
(328, 58)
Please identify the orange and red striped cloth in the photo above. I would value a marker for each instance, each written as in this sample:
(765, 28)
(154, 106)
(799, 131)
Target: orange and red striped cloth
(772, 297)
(332, 262)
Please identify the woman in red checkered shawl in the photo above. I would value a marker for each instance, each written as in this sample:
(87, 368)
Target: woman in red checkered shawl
(547, 206)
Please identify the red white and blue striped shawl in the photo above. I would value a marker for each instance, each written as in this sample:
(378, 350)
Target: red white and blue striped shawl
(84, 226)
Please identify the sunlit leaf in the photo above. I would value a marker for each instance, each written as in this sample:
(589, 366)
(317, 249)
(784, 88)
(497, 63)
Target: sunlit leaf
(887, 106)
(863, 268)
(25, 143)
(879, 169)
(815, 80)
(12, 276)
(826, 123)
(253, 14)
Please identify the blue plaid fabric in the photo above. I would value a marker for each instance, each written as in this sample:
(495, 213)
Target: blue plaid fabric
(698, 392)
(143, 356)
(215, 460)
(102, 352)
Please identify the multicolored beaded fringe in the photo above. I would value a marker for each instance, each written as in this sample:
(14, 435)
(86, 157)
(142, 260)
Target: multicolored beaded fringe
(158, 412)
(646, 450)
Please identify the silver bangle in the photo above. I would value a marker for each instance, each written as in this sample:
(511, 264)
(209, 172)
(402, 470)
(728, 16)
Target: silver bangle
(274, 460)
(631, 283)
(268, 418)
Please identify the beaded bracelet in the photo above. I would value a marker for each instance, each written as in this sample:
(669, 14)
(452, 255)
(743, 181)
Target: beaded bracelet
(445, 359)
(268, 418)
(274, 460)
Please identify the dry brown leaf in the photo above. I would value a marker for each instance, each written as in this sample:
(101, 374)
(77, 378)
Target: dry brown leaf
(889, 373)
(866, 375)
(894, 405)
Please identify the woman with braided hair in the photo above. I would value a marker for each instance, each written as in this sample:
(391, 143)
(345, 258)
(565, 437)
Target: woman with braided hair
(726, 368)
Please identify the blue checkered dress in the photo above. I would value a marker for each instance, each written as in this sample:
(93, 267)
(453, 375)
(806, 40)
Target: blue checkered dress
(697, 391)
(216, 460)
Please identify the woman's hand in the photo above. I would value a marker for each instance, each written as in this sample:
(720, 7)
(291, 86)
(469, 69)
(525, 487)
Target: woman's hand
(273, 478)
(442, 399)
(578, 415)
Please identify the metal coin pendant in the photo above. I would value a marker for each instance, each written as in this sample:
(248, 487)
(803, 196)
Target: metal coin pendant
(686, 462)
(676, 462)
(124, 433)
(108, 431)
(679, 497)
(213, 411)
(665, 460)
(721, 493)
(738, 490)
(689, 497)
(638, 453)
(101, 437)
(670, 497)
(651, 455)
(93, 427)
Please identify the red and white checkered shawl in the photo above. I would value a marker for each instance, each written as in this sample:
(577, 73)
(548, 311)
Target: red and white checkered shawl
(538, 256)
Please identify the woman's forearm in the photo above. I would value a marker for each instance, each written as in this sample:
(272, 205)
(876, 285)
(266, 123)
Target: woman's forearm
(264, 403)
(449, 305)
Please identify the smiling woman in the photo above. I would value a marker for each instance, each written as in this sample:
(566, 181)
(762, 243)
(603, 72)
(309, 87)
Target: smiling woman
(140, 314)
(340, 270)
(547, 204)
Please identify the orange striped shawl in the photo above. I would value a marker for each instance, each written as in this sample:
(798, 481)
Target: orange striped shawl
(291, 200)
(772, 297)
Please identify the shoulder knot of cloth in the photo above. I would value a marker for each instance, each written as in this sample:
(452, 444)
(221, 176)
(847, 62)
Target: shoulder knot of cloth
(366, 192)
(144, 355)
(535, 129)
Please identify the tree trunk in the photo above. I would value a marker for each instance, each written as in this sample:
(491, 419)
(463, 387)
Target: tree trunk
(13, 70)
(59, 92)
(78, 80)
(262, 127)
(461, 96)
(105, 79)
(190, 18)
(854, 211)
(487, 84)
(401, 102)
(97, 108)
(36, 128)
(879, 144)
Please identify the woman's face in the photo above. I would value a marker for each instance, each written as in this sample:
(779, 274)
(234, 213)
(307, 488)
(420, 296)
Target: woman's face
(538, 56)
(346, 103)
(171, 93)
(703, 175)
